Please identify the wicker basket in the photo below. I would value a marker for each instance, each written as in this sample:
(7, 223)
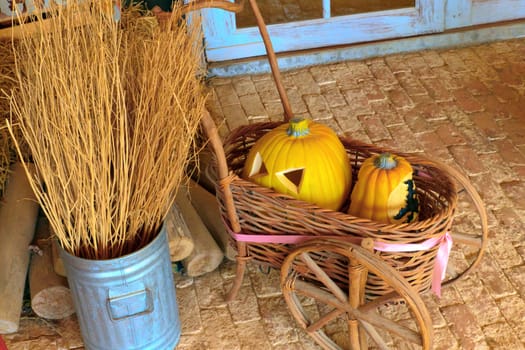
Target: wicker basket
(262, 211)
(250, 210)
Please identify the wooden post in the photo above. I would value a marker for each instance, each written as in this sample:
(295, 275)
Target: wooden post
(18, 215)
(206, 177)
(355, 271)
(50, 294)
(206, 255)
(357, 275)
(208, 209)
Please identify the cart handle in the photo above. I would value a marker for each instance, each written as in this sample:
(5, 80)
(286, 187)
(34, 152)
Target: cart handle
(236, 6)
(215, 142)
(209, 125)
(288, 114)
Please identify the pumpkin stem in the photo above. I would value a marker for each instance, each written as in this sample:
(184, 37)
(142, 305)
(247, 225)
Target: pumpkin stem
(385, 161)
(298, 127)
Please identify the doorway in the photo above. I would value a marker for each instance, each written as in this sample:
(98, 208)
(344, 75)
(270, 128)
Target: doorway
(283, 11)
(296, 25)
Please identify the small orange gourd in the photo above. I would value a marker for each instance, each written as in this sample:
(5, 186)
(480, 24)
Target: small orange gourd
(303, 159)
(385, 191)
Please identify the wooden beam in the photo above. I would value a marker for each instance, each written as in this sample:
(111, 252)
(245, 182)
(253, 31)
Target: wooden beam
(18, 215)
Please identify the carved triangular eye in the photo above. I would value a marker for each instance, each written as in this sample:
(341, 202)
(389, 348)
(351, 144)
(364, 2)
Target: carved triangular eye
(291, 179)
(258, 167)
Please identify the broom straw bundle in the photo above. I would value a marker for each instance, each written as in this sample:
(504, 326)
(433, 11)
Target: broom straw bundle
(7, 82)
(109, 110)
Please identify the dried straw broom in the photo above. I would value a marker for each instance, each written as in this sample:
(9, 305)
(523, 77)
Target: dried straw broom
(5, 159)
(109, 110)
(7, 83)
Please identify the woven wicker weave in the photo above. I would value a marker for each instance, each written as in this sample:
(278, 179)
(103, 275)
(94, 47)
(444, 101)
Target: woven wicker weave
(262, 211)
(249, 209)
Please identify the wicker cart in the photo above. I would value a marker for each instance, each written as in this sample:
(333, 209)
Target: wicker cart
(363, 277)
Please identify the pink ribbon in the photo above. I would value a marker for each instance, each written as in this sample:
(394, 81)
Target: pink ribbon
(440, 265)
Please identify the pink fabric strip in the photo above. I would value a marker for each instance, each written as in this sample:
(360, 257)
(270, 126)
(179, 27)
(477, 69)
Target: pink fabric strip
(440, 265)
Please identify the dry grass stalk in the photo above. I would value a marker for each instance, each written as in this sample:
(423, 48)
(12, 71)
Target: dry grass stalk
(109, 110)
(7, 82)
(5, 159)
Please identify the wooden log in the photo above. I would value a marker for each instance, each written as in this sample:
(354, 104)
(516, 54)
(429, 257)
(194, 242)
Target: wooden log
(208, 209)
(50, 293)
(206, 255)
(179, 236)
(16, 32)
(205, 176)
(42, 26)
(18, 215)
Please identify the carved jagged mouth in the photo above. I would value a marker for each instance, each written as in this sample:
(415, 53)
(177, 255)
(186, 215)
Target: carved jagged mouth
(291, 179)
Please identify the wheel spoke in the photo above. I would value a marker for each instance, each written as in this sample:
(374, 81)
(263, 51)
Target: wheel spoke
(320, 323)
(374, 335)
(379, 301)
(475, 241)
(370, 316)
(317, 293)
(324, 278)
(365, 321)
(386, 324)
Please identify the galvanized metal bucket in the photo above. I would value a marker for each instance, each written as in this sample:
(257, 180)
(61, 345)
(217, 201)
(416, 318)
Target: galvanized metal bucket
(127, 302)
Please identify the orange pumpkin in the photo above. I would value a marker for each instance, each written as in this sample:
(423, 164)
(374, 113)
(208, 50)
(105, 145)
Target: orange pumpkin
(303, 159)
(385, 191)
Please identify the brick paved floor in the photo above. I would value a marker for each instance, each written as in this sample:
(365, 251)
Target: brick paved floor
(465, 107)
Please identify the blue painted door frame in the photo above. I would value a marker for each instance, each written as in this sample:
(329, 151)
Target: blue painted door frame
(224, 41)
(464, 13)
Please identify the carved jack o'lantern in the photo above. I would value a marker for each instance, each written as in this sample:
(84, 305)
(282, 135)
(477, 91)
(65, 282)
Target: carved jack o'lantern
(303, 159)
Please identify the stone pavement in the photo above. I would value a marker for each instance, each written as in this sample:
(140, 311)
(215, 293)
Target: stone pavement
(463, 106)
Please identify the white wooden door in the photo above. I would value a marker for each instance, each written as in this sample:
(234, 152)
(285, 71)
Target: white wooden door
(225, 40)
(463, 13)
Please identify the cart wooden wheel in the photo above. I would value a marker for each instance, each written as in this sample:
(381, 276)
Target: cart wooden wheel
(469, 229)
(324, 285)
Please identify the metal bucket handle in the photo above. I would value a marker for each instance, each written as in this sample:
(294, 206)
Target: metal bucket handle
(122, 303)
